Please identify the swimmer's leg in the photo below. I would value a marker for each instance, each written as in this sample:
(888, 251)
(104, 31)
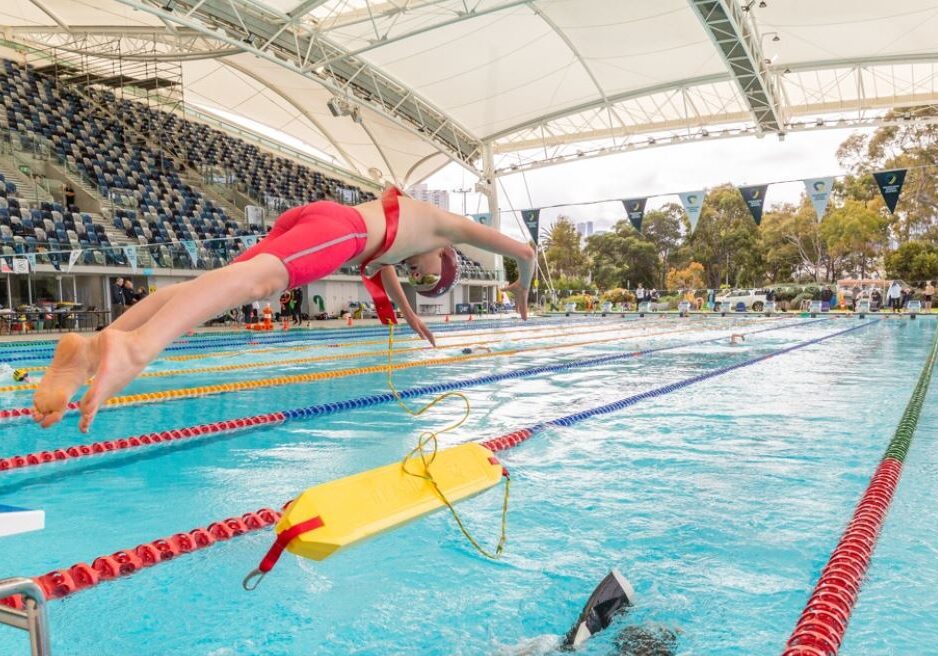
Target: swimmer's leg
(123, 354)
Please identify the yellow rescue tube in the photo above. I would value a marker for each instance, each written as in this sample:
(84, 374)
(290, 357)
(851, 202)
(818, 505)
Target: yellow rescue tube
(357, 507)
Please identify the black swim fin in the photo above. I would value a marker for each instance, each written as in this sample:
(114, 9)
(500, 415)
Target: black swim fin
(613, 595)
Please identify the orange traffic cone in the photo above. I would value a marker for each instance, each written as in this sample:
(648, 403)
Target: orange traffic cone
(348, 320)
(470, 318)
(446, 319)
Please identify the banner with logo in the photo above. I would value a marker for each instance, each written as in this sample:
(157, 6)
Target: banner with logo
(819, 191)
(485, 218)
(693, 203)
(20, 265)
(131, 253)
(192, 250)
(532, 219)
(4, 266)
(635, 208)
(890, 186)
(755, 200)
(249, 240)
(31, 258)
(72, 258)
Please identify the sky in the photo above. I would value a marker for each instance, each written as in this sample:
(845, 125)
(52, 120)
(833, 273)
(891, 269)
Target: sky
(655, 172)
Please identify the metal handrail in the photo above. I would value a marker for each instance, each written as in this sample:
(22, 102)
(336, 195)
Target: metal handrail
(33, 618)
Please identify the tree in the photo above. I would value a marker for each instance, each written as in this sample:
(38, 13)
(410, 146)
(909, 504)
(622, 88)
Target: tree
(622, 258)
(913, 262)
(690, 277)
(855, 236)
(727, 240)
(562, 249)
(901, 145)
(663, 229)
(792, 245)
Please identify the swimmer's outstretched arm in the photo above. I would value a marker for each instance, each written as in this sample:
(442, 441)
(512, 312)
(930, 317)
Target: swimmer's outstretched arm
(393, 287)
(460, 230)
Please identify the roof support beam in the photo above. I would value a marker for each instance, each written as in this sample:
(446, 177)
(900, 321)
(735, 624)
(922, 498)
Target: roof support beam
(304, 8)
(738, 44)
(48, 12)
(239, 23)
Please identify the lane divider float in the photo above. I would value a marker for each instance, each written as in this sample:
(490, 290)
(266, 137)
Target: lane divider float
(820, 629)
(279, 381)
(63, 582)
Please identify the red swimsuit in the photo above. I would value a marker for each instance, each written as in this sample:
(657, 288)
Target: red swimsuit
(315, 240)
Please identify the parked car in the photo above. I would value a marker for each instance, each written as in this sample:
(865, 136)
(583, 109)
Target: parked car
(728, 299)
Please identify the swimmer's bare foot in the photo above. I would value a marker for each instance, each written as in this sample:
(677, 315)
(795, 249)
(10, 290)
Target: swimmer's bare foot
(119, 361)
(71, 366)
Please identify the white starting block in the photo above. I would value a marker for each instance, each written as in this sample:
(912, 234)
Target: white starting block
(862, 307)
(769, 307)
(14, 521)
(683, 308)
(815, 307)
(644, 307)
(913, 308)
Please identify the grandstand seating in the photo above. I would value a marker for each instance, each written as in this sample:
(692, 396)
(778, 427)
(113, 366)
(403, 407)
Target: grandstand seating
(159, 209)
(264, 175)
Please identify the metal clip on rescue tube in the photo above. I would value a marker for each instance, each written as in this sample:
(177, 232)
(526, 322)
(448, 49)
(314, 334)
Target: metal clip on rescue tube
(340, 513)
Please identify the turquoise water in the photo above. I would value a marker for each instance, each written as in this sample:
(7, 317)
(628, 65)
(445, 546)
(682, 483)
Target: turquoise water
(719, 502)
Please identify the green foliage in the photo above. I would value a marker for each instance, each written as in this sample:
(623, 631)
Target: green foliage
(562, 249)
(727, 240)
(511, 269)
(618, 296)
(571, 284)
(914, 261)
(855, 236)
(583, 301)
(622, 258)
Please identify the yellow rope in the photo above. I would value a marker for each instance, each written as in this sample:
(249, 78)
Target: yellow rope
(432, 437)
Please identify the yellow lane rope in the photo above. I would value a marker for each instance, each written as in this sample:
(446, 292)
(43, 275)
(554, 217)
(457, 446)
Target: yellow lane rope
(364, 342)
(322, 358)
(362, 354)
(222, 388)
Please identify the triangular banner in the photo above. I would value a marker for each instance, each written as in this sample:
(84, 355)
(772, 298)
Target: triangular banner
(890, 186)
(31, 258)
(755, 200)
(131, 253)
(819, 191)
(249, 240)
(5, 266)
(485, 218)
(532, 219)
(20, 265)
(72, 258)
(693, 203)
(635, 208)
(192, 250)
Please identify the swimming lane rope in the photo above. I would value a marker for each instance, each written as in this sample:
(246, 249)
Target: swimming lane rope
(245, 423)
(334, 357)
(821, 627)
(224, 388)
(63, 582)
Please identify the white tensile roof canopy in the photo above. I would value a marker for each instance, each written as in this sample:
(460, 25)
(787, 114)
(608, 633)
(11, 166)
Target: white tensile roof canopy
(503, 85)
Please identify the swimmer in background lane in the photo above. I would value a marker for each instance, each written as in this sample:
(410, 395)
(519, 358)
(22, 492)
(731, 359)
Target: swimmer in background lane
(469, 350)
(736, 338)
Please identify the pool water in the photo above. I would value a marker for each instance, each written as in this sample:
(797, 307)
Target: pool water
(720, 502)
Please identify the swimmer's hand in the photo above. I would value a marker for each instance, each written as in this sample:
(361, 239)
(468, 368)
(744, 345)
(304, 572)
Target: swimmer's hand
(419, 326)
(520, 295)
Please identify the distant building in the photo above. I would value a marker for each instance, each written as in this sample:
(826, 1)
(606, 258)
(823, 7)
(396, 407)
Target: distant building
(585, 229)
(438, 197)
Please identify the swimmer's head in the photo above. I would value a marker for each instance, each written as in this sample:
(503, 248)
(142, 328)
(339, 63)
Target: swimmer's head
(435, 272)
(467, 351)
(19, 375)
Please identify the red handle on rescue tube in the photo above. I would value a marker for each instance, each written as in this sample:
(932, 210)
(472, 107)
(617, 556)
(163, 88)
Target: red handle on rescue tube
(273, 555)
